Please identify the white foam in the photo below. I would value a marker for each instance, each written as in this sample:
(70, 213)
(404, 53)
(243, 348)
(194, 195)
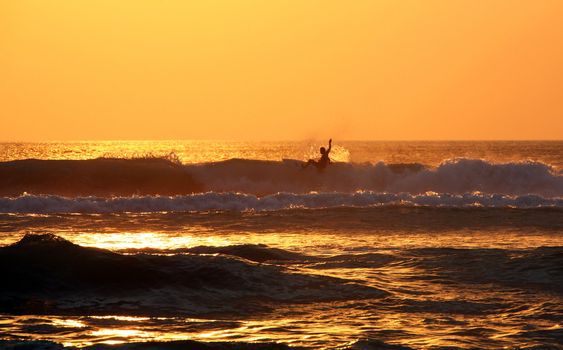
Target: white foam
(245, 202)
(456, 176)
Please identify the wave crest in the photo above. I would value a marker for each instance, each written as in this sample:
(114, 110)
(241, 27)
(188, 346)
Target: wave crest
(127, 177)
(213, 201)
(456, 176)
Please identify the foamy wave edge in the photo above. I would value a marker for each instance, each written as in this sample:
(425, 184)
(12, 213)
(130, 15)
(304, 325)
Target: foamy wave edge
(241, 202)
(457, 176)
(128, 177)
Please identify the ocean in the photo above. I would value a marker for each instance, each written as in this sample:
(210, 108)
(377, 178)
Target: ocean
(234, 245)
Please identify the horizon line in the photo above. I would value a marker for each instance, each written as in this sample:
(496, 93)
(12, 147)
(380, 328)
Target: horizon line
(280, 140)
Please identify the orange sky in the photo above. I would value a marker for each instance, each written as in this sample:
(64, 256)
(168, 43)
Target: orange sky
(134, 69)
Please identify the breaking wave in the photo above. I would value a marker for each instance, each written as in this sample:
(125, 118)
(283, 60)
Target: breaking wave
(456, 176)
(127, 177)
(44, 204)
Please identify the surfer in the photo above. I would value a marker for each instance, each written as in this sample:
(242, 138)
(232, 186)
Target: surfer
(324, 161)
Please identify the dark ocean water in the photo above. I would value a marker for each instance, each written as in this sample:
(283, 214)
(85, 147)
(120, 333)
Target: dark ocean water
(398, 245)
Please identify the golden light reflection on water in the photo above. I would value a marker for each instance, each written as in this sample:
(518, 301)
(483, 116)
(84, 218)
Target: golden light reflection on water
(198, 151)
(326, 326)
(188, 151)
(123, 334)
(121, 318)
(320, 243)
(437, 314)
(316, 243)
(83, 332)
(70, 323)
(140, 240)
(443, 323)
(135, 240)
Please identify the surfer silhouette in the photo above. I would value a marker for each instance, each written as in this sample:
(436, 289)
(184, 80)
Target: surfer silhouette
(324, 161)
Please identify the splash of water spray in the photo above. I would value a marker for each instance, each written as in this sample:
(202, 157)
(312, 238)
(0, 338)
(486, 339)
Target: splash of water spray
(340, 154)
(337, 153)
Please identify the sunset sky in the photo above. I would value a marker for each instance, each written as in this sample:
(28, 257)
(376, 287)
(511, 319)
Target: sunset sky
(258, 70)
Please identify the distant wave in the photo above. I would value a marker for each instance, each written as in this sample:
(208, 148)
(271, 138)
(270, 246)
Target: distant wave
(245, 202)
(99, 177)
(123, 177)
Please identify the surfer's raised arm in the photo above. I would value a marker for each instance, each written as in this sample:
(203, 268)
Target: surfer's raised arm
(324, 161)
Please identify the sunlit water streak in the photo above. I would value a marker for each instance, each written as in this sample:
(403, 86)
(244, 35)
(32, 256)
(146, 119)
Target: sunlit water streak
(466, 278)
(194, 151)
(422, 310)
